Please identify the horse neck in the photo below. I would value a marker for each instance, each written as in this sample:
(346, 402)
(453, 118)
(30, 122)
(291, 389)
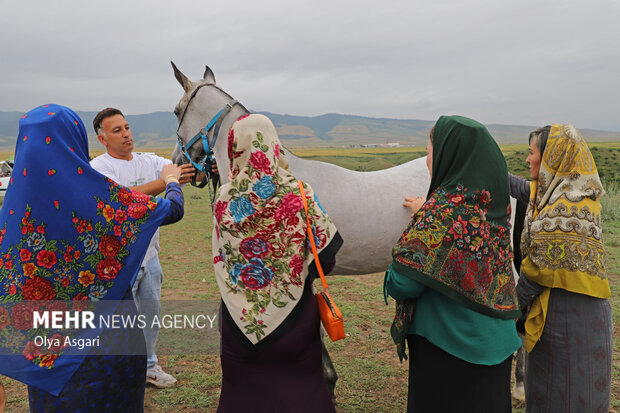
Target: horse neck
(221, 147)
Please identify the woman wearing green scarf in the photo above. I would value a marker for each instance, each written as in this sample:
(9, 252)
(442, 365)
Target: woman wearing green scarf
(452, 278)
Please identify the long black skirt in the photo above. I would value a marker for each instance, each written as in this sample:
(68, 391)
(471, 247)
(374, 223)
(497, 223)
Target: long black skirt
(441, 382)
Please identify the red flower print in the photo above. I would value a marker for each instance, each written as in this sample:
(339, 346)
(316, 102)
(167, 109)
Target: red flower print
(289, 206)
(51, 172)
(56, 204)
(472, 267)
(277, 151)
(84, 226)
(457, 199)
(41, 229)
(124, 242)
(120, 216)
(100, 205)
(468, 282)
(80, 170)
(125, 197)
(459, 228)
(48, 140)
(5, 318)
(8, 264)
(70, 148)
(65, 282)
(108, 269)
(37, 288)
(25, 255)
(51, 113)
(485, 197)
(75, 220)
(77, 254)
(24, 171)
(109, 246)
(259, 161)
(139, 197)
(31, 351)
(117, 230)
(68, 257)
(12, 289)
(137, 211)
(217, 258)
(22, 316)
(231, 137)
(297, 265)
(220, 208)
(46, 259)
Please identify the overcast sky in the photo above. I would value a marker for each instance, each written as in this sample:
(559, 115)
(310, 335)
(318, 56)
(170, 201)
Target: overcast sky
(528, 62)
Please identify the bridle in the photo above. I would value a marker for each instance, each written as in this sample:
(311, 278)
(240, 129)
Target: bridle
(205, 165)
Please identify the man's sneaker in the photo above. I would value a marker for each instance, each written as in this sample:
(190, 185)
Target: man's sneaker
(159, 378)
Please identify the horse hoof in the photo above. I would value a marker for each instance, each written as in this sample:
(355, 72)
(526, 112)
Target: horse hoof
(518, 392)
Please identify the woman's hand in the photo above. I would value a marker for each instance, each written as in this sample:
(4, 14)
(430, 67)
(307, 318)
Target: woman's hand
(414, 203)
(171, 173)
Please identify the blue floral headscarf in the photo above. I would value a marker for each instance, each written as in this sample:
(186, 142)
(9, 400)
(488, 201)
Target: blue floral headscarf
(69, 237)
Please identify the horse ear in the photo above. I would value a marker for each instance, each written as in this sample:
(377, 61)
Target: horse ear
(182, 79)
(208, 77)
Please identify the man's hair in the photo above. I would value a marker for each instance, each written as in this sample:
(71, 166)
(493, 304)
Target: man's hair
(541, 135)
(105, 113)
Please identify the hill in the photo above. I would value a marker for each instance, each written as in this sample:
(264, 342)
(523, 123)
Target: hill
(157, 130)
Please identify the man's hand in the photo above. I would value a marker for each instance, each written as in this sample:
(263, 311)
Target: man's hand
(187, 172)
(414, 203)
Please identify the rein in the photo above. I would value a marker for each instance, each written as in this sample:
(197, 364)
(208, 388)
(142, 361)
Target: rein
(205, 165)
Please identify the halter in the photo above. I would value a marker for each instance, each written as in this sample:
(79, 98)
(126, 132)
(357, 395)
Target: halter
(206, 164)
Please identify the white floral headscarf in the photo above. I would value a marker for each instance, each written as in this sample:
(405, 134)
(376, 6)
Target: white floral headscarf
(260, 249)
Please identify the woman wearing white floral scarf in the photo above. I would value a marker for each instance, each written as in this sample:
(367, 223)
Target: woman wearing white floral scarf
(271, 350)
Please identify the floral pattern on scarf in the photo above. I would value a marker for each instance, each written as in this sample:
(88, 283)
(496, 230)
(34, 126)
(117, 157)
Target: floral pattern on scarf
(451, 240)
(261, 253)
(70, 237)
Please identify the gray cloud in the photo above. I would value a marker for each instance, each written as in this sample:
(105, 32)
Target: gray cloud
(526, 62)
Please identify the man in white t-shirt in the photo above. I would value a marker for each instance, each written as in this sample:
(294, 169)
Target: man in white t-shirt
(140, 172)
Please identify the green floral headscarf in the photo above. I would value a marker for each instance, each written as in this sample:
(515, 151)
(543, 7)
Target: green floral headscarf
(459, 241)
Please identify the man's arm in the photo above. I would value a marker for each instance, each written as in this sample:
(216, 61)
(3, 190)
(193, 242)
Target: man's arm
(157, 186)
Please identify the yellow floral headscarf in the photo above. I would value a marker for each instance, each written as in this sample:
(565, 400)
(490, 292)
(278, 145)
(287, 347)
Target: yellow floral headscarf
(562, 235)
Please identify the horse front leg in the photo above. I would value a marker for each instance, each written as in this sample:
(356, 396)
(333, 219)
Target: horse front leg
(329, 372)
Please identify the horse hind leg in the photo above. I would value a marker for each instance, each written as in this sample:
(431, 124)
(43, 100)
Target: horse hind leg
(518, 391)
(329, 372)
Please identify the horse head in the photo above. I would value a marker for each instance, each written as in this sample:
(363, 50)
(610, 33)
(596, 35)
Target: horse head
(205, 113)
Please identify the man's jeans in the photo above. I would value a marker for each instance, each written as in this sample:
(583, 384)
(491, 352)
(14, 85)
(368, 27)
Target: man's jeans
(147, 294)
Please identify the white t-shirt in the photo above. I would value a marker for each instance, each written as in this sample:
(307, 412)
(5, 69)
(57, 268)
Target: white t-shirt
(142, 168)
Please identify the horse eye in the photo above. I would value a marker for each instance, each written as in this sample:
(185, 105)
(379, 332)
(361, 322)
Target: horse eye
(177, 111)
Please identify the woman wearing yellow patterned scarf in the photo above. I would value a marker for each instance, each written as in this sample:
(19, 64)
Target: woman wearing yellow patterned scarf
(563, 284)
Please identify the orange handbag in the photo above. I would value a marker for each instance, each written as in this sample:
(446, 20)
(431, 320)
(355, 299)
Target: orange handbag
(331, 317)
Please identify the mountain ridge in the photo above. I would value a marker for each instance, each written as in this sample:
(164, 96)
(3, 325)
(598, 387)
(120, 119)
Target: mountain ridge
(158, 129)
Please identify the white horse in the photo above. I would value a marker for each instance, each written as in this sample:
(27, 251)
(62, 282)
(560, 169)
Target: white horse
(366, 207)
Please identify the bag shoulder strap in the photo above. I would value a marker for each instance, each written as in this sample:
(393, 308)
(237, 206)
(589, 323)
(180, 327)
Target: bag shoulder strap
(311, 237)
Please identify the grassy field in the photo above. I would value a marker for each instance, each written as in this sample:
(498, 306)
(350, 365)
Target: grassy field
(371, 378)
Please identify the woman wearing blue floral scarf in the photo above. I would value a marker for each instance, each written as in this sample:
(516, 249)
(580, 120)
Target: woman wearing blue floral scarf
(72, 240)
(271, 349)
